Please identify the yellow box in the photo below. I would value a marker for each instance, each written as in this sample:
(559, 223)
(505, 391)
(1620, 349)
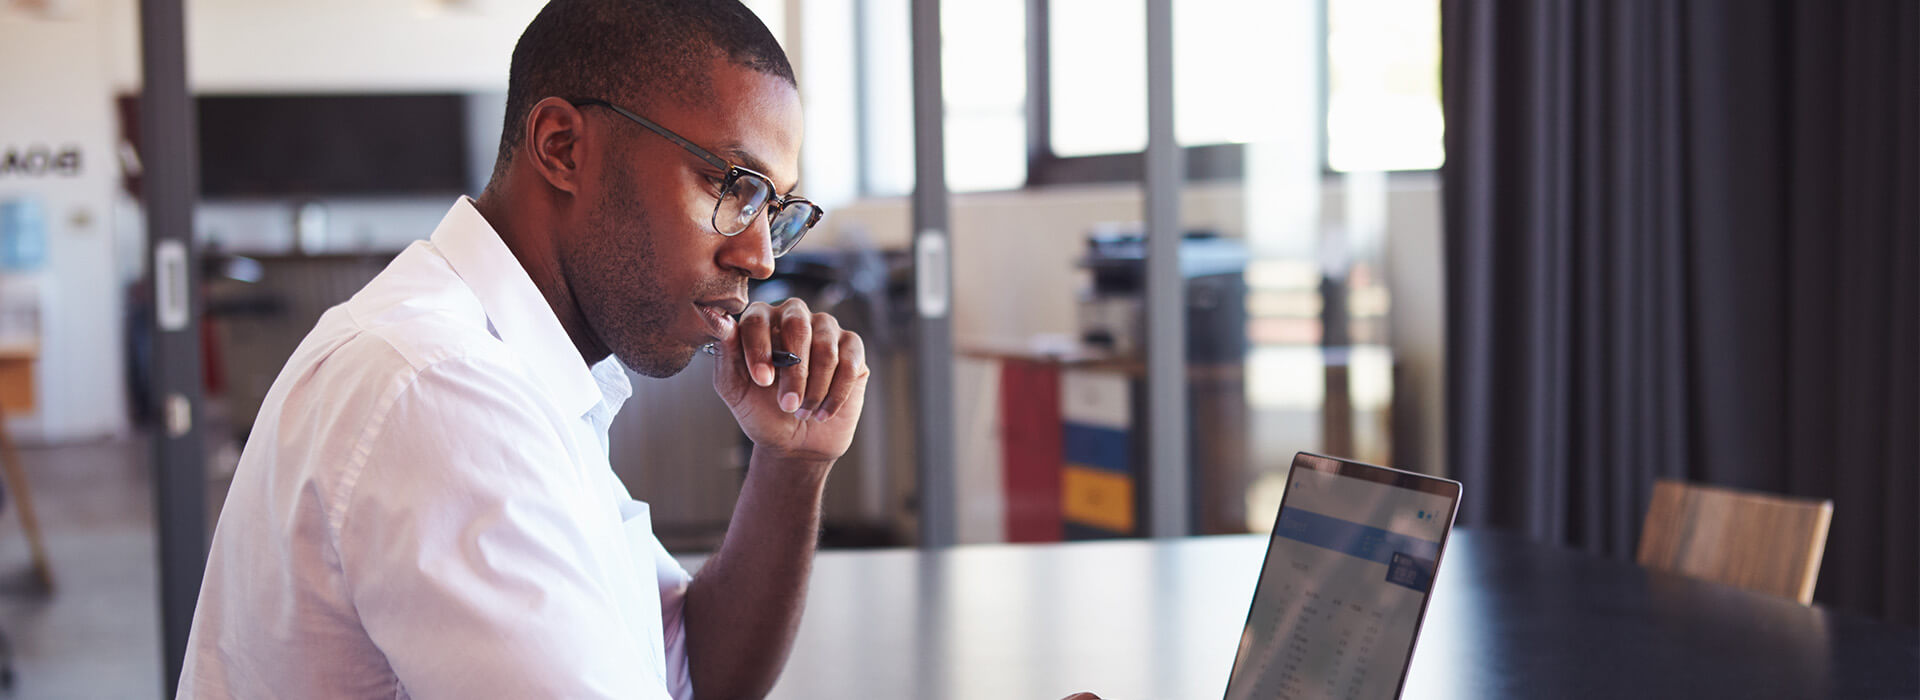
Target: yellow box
(1097, 498)
(16, 380)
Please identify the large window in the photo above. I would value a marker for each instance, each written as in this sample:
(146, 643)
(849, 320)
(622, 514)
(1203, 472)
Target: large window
(1383, 85)
(1097, 76)
(1380, 67)
(985, 90)
(984, 50)
(1097, 64)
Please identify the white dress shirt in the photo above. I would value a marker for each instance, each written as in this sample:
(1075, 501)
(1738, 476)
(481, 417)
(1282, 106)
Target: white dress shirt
(424, 507)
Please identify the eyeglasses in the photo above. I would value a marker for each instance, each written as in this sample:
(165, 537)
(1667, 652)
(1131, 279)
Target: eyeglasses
(743, 194)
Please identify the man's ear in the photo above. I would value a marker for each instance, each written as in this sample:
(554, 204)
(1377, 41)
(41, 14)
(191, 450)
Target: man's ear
(555, 138)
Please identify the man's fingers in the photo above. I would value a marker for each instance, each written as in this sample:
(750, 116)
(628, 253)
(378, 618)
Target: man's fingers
(796, 336)
(729, 377)
(755, 330)
(821, 363)
(831, 367)
(847, 377)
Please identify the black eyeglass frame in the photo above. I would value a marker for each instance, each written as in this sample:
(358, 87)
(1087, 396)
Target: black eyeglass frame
(775, 201)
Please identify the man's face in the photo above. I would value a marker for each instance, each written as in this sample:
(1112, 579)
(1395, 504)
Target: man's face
(643, 262)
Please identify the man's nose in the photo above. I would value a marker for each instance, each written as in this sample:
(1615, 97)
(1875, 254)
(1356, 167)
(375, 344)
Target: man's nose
(750, 251)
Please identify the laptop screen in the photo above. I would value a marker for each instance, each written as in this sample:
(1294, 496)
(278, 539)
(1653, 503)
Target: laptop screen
(1349, 566)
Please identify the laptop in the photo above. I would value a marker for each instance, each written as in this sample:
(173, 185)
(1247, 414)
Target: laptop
(1349, 571)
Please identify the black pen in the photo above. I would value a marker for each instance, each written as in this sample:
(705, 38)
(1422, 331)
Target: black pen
(781, 358)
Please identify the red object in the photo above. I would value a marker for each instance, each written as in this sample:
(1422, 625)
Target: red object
(211, 368)
(1030, 436)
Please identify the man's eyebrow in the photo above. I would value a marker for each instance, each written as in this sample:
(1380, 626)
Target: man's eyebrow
(742, 157)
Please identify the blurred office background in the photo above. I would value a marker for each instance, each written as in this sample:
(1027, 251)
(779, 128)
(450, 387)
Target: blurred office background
(1677, 239)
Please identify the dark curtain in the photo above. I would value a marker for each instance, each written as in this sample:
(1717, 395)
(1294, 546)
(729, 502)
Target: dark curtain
(1683, 240)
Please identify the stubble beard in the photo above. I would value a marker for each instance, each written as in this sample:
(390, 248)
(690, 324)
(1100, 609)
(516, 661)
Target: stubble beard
(616, 284)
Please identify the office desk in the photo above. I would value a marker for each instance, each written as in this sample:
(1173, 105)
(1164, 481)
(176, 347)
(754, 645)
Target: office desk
(1160, 619)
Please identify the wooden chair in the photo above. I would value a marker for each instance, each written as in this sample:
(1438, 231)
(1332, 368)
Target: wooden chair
(1760, 542)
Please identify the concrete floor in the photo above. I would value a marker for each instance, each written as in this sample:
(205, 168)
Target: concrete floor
(97, 635)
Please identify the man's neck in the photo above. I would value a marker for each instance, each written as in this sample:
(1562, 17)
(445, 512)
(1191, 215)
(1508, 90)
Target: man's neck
(532, 244)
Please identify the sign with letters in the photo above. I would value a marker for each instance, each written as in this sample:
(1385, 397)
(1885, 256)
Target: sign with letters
(39, 160)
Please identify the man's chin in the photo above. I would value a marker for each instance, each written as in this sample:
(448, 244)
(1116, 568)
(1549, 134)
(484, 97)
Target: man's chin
(661, 363)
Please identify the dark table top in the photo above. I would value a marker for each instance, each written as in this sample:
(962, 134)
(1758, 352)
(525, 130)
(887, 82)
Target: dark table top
(1160, 619)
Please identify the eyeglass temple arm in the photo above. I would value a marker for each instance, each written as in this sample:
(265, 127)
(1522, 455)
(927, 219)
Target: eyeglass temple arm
(705, 155)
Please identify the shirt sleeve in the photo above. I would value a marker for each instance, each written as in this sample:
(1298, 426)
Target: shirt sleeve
(463, 546)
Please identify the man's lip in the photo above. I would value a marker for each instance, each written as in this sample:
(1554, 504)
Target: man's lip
(718, 322)
(731, 305)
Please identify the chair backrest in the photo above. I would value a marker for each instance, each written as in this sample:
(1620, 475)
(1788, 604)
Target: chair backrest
(1755, 541)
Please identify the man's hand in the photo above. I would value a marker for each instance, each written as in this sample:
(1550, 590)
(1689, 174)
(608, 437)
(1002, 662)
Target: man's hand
(743, 609)
(806, 412)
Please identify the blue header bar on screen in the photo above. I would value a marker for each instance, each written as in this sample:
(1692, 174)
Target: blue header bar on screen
(1351, 538)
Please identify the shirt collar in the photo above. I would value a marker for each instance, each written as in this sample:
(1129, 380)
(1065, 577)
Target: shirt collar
(615, 387)
(518, 312)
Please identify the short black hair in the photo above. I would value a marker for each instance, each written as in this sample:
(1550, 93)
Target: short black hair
(630, 52)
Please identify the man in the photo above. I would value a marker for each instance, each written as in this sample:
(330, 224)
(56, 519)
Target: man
(425, 508)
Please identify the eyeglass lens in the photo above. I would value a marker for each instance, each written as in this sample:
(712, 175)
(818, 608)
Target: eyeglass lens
(743, 199)
(746, 197)
(790, 224)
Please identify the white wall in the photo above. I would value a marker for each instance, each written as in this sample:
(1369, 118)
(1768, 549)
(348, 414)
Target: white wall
(337, 45)
(54, 78)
